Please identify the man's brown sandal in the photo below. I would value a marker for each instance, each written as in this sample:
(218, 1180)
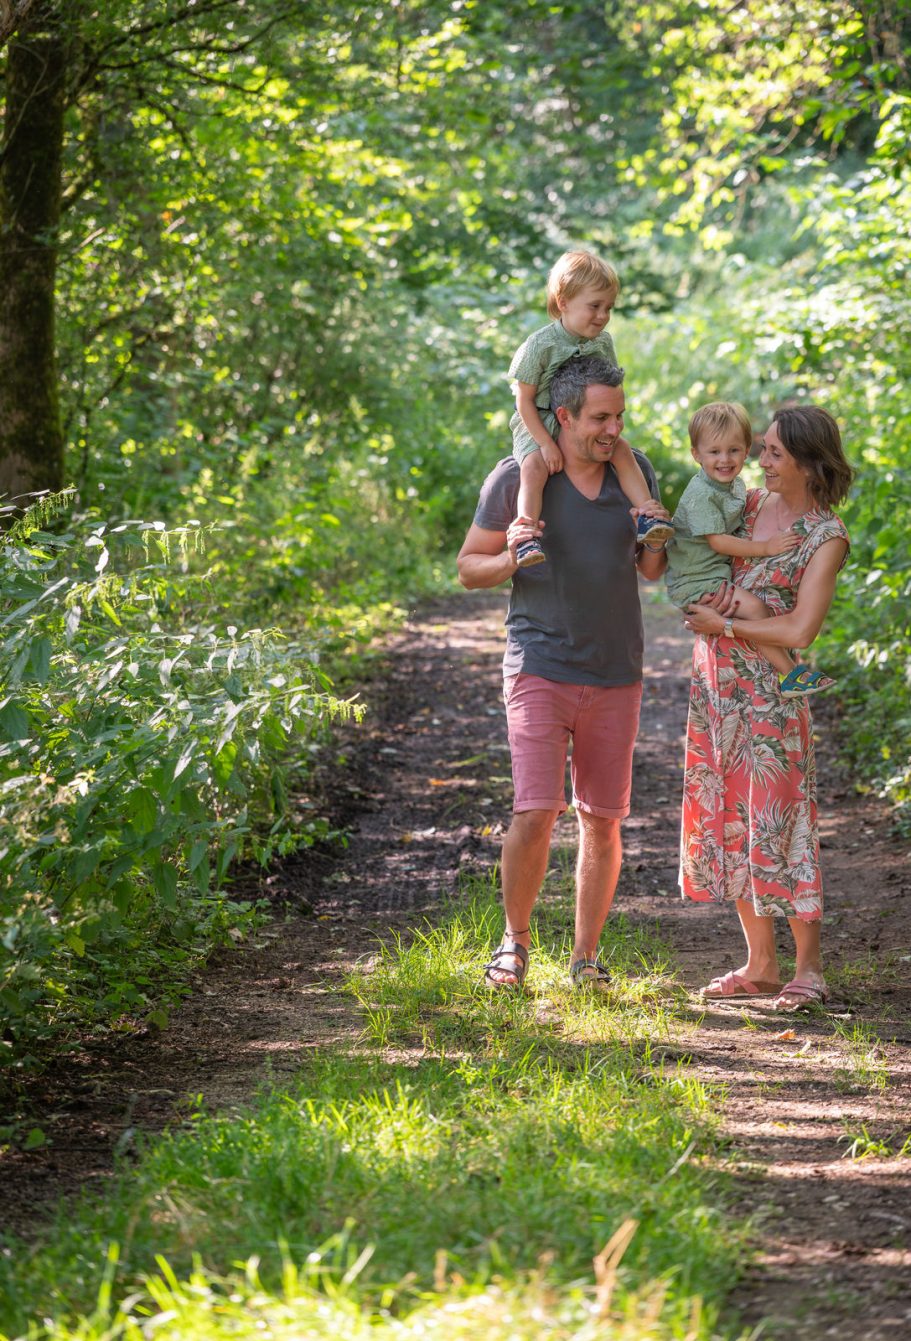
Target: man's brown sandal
(589, 973)
(508, 947)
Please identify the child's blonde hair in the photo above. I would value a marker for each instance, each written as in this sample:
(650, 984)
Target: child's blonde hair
(572, 273)
(712, 420)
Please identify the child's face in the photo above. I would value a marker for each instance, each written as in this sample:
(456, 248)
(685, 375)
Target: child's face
(588, 312)
(722, 457)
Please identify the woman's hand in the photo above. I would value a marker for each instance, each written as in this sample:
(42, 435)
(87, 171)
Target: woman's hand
(709, 613)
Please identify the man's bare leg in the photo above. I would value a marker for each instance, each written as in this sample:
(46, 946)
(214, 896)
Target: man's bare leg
(597, 873)
(523, 865)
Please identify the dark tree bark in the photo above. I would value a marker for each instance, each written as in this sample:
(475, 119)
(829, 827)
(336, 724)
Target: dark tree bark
(31, 436)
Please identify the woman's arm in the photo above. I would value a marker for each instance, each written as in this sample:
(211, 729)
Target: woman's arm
(799, 626)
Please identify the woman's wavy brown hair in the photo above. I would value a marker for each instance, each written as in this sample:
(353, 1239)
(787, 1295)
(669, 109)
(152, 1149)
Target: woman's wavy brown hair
(811, 436)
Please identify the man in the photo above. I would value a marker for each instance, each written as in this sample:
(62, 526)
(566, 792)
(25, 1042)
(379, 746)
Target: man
(573, 662)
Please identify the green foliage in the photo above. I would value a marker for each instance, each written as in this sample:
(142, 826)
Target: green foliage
(144, 749)
(385, 1188)
(295, 256)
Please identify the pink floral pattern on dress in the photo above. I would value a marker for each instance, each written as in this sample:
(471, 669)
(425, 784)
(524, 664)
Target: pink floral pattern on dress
(749, 788)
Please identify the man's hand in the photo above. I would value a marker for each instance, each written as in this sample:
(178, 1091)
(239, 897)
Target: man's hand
(651, 509)
(523, 528)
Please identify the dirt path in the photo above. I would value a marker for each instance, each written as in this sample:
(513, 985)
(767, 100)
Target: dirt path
(424, 786)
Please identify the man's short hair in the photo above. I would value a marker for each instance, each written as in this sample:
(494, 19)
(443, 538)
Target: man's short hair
(572, 380)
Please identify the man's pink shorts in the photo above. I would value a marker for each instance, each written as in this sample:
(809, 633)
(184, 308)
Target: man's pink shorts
(543, 715)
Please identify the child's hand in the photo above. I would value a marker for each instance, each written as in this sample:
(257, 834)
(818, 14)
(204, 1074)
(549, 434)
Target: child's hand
(781, 542)
(553, 459)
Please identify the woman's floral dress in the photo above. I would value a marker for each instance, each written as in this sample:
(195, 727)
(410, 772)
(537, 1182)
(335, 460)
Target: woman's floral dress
(749, 787)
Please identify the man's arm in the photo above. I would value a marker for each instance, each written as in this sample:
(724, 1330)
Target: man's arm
(651, 563)
(488, 558)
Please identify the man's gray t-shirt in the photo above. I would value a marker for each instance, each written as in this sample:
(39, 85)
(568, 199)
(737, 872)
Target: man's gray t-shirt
(577, 617)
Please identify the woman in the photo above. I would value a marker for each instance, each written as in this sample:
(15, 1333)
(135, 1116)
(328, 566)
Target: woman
(749, 804)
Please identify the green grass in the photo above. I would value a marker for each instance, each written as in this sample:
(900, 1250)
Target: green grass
(455, 1175)
(866, 1066)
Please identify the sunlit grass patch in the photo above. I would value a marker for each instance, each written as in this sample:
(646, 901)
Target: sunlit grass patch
(429, 990)
(864, 1144)
(321, 1301)
(866, 1065)
(869, 972)
(470, 1160)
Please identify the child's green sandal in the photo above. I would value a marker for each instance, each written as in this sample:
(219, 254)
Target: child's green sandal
(803, 680)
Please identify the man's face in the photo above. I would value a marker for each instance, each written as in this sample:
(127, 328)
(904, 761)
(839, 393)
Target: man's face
(593, 434)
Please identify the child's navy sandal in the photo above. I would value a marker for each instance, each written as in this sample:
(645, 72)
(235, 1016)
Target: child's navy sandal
(655, 530)
(804, 680)
(529, 552)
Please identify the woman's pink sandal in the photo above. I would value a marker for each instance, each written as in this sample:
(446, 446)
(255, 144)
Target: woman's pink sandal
(733, 985)
(805, 994)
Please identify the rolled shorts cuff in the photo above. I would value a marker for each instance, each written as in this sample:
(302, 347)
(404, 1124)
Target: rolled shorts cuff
(559, 805)
(602, 812)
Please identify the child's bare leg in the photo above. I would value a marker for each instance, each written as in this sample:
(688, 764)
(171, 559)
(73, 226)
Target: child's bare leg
(533, 475)
(629, 474)
(652, 521)
(751, 607)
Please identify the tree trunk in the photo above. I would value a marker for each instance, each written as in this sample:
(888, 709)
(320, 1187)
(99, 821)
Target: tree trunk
(31, 436)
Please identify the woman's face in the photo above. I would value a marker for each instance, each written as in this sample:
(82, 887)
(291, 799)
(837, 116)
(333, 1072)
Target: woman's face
(782, 473)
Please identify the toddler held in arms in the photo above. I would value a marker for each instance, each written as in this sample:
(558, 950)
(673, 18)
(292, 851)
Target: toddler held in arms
(581, 292)
(707, 522)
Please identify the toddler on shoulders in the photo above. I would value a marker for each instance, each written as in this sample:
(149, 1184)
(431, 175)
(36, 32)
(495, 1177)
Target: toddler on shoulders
(581, 292)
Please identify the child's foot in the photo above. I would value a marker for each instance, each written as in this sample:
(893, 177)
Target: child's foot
(654, 530)
(802, 680)
(529, 553)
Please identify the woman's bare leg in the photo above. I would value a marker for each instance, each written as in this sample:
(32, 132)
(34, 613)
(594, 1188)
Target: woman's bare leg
(759, 934)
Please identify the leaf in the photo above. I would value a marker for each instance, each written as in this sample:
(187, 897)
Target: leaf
(14, 723)
(143, 810)
(164, 879)
(76, 943)
(35, 1139)
(84, 863)
(184, 760)
(40, 657)
(198, 854)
